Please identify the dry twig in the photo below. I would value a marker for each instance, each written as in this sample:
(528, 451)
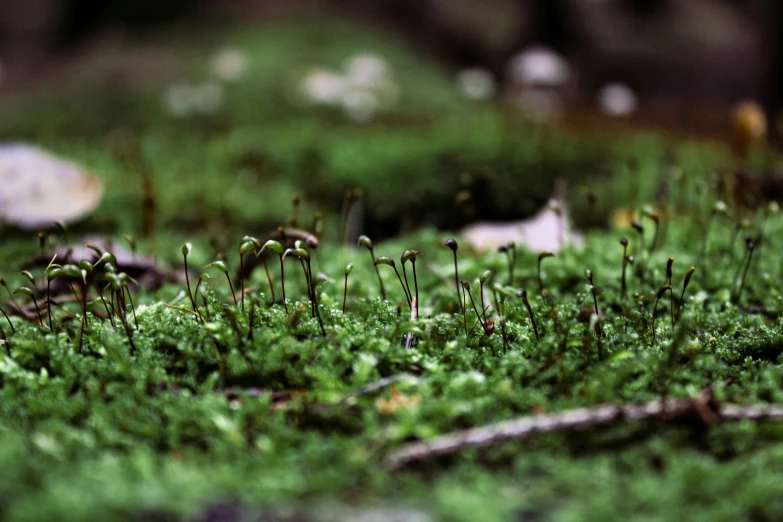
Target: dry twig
(702, 410)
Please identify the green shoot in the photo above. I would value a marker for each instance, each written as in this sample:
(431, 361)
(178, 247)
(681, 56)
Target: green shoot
(52, 272)
(348, 269)
(669, 264)
(657, 221)
(107, 258)
(25, 290)
(541, 257)
(304, 257)
(639, 245)
(662, 290)
(220, 265)
(750, 246)
(484, 326)
(485, 276)
(187, 248)
(522, 294)
(318, 225)
(10, 294)
(132, 244)
(623, 283)
(278, 249)
(589, 276)
(452, 244)
(383, 260)
(248, 244)
(719, 208)
(682, 295)
(366, 242)
(510, 249)
(64, 229)
(410, 255)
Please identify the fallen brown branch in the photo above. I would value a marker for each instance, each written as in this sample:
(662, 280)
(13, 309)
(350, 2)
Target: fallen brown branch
(702, 410)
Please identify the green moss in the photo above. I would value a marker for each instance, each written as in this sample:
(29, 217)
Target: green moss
(262, 418)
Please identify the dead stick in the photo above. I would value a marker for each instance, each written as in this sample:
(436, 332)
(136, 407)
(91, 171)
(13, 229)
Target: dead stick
(524, 428)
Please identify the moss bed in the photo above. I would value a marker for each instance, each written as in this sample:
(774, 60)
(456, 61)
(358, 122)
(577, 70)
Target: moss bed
(255, 414)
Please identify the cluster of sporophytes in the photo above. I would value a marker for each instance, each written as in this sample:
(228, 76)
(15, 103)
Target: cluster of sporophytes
(333, 357)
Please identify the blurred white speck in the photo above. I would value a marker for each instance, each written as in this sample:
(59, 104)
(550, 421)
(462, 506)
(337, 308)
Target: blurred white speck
(476, 84)
(617, 99)
(229, 65)
(207, 98)
(365, 88)
(322, 86)
(366, 70)
(177, 100)
(538, 65)
(360, 105)
(181, 99)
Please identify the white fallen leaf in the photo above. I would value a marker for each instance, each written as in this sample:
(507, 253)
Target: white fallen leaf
(37, 189)
(548, 230)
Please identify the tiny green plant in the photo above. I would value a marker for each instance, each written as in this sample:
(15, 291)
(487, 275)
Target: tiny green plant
(589, 276)
(366, 242)
(662, 290)
(203, 278)
(277, 248)
(750, 246)
(652, 216)
(541, 257)
(26, 290)
(132, 244)
(484, 325)
(125, 281)
(248, 244)
(187, 248)
(453, 246)
(410, 255)
(85, 268)
(220, 265)
(669, 264)
(304, 258)
(499, 293)
(623, 281)
(107, 258)
(719, 208)
(510, 249)
(384, 260)
(52, 272)
(115, 284)
(485, 277)
(522, 294)
(639, 246)
(4, 284)
(685, 282)
(347, 271)
(318, 225)
(64, 229)
(29, 277)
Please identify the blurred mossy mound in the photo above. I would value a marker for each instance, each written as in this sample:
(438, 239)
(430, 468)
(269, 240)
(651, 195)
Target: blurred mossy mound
(430, 158)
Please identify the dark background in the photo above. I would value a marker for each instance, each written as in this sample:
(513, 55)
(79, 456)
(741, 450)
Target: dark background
(686, 56)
